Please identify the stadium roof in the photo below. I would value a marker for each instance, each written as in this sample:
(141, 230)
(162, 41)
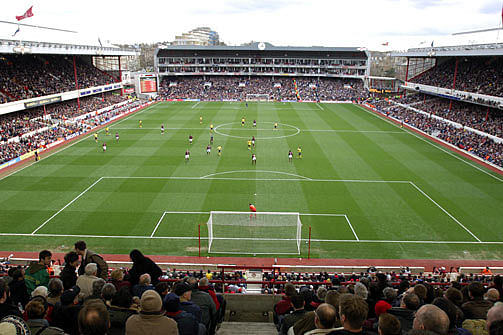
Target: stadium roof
(45, 40)
(260, 49)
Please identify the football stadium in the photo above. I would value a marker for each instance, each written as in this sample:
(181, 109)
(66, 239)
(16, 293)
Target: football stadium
(253, 189)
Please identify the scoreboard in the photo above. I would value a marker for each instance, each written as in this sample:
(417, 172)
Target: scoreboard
(148, 84)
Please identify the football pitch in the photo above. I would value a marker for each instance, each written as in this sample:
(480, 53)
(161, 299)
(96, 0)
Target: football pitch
(365, 187)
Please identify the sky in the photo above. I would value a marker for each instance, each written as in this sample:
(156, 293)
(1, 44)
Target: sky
(402, 24)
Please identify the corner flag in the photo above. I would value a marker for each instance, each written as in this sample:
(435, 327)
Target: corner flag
(27, 14)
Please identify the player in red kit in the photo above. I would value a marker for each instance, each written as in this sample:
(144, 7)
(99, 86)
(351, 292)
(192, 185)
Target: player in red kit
(253, 211)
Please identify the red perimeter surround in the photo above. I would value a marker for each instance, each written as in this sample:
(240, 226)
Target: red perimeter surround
(428, 264)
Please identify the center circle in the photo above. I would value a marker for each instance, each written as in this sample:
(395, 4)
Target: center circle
(297, 131)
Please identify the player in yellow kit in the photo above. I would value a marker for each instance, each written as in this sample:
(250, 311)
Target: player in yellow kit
(219, 148)
(249, 144)
(141, 124)
(299, 151)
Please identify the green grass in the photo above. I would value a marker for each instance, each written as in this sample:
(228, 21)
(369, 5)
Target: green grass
(403, 196)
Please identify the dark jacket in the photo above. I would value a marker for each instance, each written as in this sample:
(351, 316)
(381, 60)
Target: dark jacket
(65, 317)
(146, 265)
(208, 309)
(187, 324)
(68, 276)
(92, 257)
(476, 309)
(8, 309)
(19, 292)
(191, 308)
(290, 320)
(118, 318)
(405, 316)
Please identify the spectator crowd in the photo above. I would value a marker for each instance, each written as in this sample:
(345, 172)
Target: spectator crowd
(475, 74)
(276, 89)
(88, 297)
(20, 132)
(30, 76)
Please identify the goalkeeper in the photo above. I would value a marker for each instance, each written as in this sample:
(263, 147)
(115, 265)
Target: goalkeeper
(253, 210)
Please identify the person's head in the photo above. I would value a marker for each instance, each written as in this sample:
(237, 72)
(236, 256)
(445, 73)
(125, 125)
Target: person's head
(35, 309)
(18, 274)
(353, 311)
(290, 290)
(144, 279)
(108, 291)
(183, 290)
(432, 318)
(410, 301)
(389, 325)
(44, 257)
(70, 296)
(321, 293)
(123, 298)
(94, 319)
(41, 291)
(421, 291)
(332, 298)
(449, 308)
(324, 316)
(361, 291)
(55, 287)
(80, 247)
(91, 269)
(496, 328)
(389, 294)
(98, 286)
(162, 288)
(476, 290)
(494, 314)
(492, 295)
(381, 307)
(72, 258)
(192, 281)
(454, 295)
(136, 256)
(204, 282)
(117, 275)
(297, 302)
(151, 302)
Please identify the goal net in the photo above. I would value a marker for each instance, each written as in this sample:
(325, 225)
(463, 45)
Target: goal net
(257, 97)
(263, 233)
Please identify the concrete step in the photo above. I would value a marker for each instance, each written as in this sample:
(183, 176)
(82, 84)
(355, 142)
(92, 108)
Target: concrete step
(247, 328)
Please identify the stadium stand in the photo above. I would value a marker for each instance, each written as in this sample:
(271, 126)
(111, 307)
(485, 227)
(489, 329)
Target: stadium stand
(474, 74)
(29, 76)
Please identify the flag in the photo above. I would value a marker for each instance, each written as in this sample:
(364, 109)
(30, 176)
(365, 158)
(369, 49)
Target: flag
(17, 31)
(101, 45)
(28, 13)
(385, 44)
(432, 43)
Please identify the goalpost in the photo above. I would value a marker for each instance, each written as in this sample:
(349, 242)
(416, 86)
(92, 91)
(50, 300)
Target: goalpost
(264, 233)
(257, 97)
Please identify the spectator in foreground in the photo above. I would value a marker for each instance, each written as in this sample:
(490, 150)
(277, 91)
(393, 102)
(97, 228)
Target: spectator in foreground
(297, 314)
(18, 291)
(107, 293)
(141, 265)
(477, 307)
(186, 322)
(88, 257)
(65, 314)
(5, 307)
(143, 285)
(120, 310)
(405, 313)
(494, 314)
(389, 325)
(492, 295)
(432, 318)
(353, 312)
(36, 274)
(151, 320)
(69, 273)
(184, 292)
(94, 319)
(205, 302)
(85, 281)
(36, 312)
(324, 319)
